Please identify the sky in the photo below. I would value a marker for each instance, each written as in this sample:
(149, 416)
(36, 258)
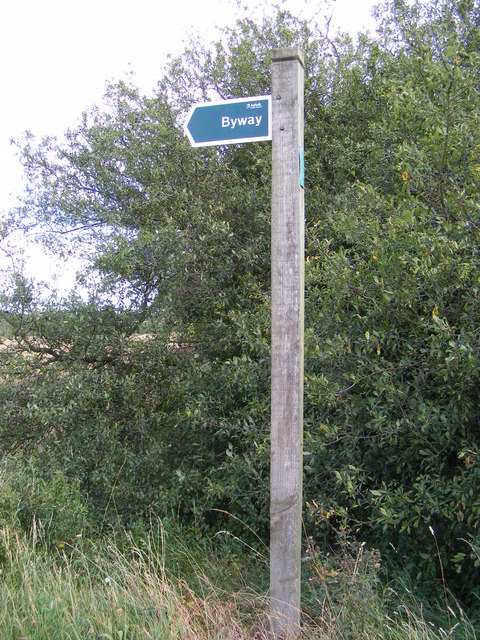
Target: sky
(57, 55)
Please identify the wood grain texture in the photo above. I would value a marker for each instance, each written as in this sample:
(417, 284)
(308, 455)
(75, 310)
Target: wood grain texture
(288, 241)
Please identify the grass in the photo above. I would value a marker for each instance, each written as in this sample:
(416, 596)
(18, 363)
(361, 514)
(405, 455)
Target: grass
(109, 593)
(160, 588)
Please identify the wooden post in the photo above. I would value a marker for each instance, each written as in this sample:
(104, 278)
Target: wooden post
(288, 241)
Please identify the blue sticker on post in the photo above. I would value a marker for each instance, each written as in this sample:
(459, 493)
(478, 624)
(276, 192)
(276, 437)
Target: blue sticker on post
(301, 158)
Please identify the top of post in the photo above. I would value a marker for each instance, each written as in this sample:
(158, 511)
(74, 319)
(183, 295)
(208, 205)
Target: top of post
(288, 53)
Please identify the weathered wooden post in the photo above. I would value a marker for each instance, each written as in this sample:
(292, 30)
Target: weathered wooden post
(288, 241)
(247, 120)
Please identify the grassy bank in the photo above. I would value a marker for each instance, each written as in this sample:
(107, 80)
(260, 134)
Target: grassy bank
(163, 587)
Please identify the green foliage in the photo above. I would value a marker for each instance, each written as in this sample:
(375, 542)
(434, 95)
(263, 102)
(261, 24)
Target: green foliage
(109, 410)
(153, 396)
(44, 503)
(392, 349)
(5, 331)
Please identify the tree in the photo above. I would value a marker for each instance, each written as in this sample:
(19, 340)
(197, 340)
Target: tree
(177, 420)
(393, 269)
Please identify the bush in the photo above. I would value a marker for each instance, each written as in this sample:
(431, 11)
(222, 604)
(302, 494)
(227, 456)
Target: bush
(42, 502)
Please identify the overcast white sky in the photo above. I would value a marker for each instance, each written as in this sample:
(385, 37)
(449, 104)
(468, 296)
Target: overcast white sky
(56, 55)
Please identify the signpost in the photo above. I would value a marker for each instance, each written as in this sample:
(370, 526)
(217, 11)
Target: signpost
(278, 118)
(288, 259)
(229, 121)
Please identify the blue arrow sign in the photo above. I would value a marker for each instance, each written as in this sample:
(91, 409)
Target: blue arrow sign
(229, 121)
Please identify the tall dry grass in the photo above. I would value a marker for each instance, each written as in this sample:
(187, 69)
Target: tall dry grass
(124, 590)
